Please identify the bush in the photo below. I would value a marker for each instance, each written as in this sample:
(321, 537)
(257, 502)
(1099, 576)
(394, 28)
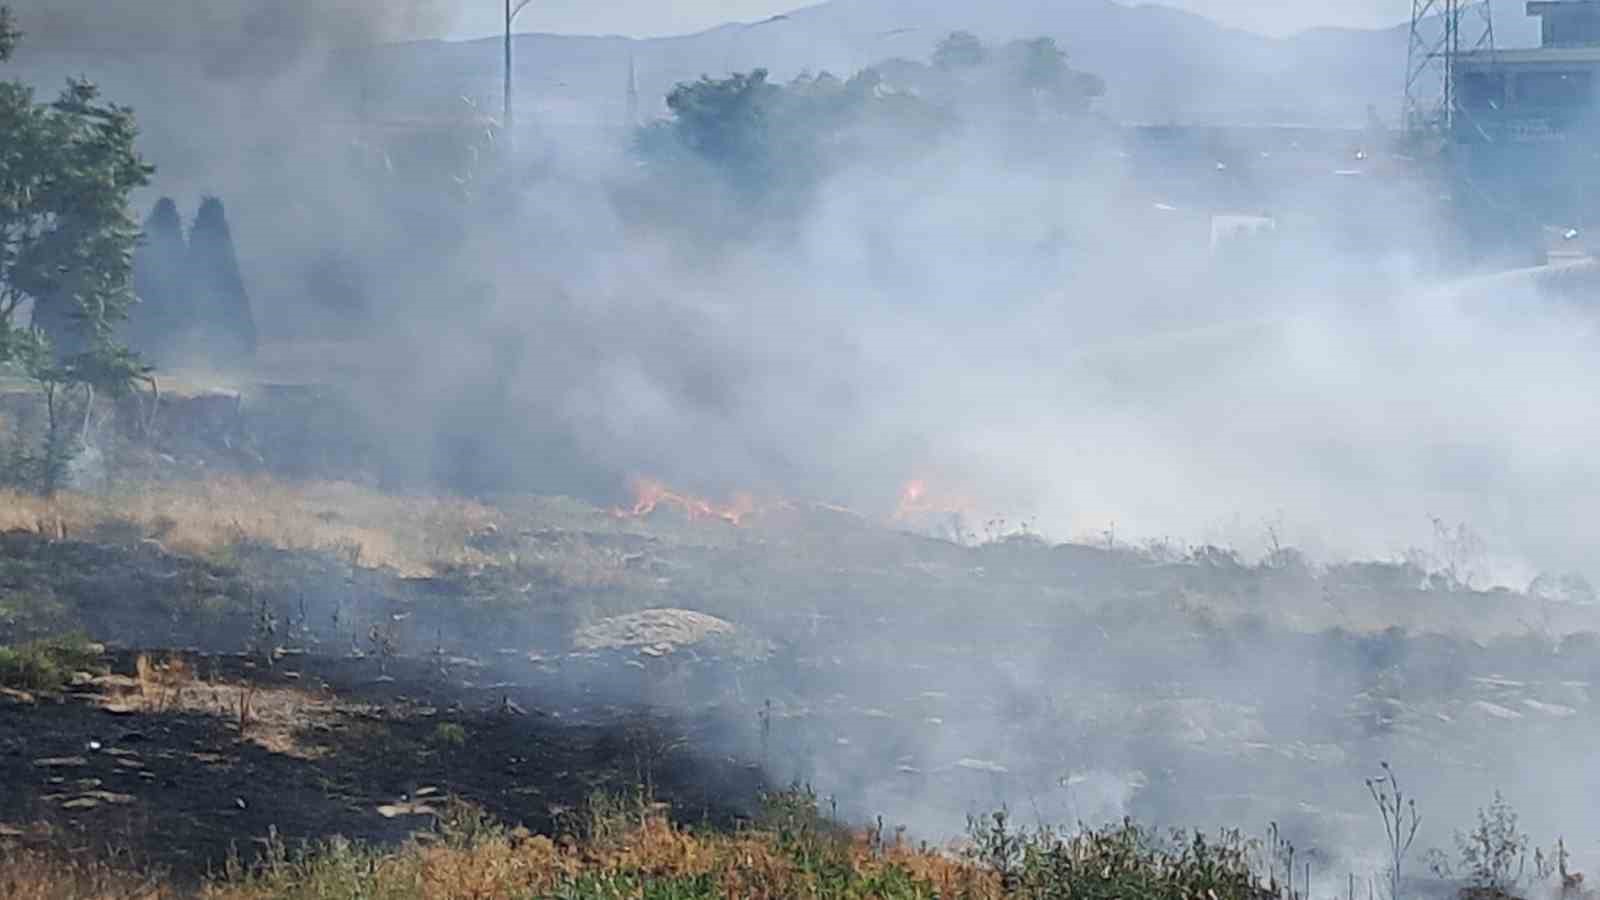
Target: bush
(1115, 862)
(449, 734)
(48, 664)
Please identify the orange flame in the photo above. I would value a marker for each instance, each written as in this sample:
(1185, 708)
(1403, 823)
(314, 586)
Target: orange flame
(650, 494)
(917, 500)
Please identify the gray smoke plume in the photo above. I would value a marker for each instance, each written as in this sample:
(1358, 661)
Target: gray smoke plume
(236, 37)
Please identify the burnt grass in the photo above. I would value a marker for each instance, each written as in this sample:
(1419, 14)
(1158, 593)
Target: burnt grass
(907, 676)
(180, 789)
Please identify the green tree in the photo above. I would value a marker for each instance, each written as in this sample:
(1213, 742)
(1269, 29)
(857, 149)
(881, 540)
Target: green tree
(1045, 80)
(67, 238)
(726, 122)
(228, 328)
(156, 325)
(960, 50)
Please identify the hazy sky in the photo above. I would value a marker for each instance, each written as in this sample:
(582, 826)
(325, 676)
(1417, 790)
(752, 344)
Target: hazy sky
(657, 17)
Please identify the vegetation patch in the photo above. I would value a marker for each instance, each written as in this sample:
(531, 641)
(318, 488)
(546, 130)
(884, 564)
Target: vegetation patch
(47, 665)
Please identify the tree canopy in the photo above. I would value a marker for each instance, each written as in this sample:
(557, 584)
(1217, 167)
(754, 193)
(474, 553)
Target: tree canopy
(67, 239)
(772, 143)
(160, 279)
(217, 287)
(960, 50)
(67, 234)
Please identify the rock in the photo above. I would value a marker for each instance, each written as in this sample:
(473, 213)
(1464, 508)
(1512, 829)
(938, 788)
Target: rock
(93, 799)
(1495, 710)
(654, 631)
(395, 810)
(982, 765)
(1550, 709)
(61, 762)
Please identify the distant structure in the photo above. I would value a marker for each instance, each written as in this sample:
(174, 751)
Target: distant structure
(1522, 137)
(1441, 32)
(1542, 93)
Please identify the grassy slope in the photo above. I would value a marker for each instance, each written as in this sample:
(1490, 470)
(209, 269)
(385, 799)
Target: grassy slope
(624, 850)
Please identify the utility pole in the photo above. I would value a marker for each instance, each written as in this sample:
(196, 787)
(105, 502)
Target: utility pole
(513, 8)
(1438, 36)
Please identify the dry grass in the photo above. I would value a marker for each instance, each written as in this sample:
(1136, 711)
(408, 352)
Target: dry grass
(647, 857)
(162, 683)
(273, 718)
(29, 875)
(412, 535)
(628, 850)
(636, 855)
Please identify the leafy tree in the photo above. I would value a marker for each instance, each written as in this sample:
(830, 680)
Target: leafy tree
(725, 122)
(164, 311)
(960, 50)
(1042, 80)
(772, 144)
(227, 325)
(67, 238)
(8, 34)
(1043, 64)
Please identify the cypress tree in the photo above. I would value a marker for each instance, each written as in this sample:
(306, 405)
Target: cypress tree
(223, 306)
(156, 326)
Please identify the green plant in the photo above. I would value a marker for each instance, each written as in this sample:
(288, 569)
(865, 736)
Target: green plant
(46, 665)
(449, 734)
(1117, 861)
(67, 237)
(1493, 856)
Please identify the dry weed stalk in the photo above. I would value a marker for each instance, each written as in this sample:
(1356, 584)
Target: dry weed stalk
(1400, 822)
(161, 684)
(246, 708)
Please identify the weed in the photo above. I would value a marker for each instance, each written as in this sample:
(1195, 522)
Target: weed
(449, 734)
(246, 706)
(1493, 857)
(47, 665)
(1400, 822)
(385, 642)
(162, 683)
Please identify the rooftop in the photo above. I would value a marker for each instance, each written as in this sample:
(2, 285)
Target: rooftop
(1582, 55)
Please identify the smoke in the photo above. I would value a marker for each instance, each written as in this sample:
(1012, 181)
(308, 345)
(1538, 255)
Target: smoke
(235, 35)
(1034, 320)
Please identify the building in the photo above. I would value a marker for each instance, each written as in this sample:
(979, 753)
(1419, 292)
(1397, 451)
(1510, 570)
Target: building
(1544, 93)
(1523, 153)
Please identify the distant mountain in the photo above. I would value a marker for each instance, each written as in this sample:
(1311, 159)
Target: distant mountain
(1160, 64)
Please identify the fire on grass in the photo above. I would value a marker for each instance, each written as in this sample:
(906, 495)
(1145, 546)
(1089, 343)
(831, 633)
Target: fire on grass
(916, 503)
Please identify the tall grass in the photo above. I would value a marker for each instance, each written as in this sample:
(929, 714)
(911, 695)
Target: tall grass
(625, 850)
